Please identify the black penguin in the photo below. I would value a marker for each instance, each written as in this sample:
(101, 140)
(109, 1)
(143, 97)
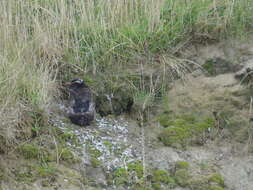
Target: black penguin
(82, 108)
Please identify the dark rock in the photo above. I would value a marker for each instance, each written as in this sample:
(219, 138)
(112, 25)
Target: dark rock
(217, 65)
(116, 103)
(246, 73)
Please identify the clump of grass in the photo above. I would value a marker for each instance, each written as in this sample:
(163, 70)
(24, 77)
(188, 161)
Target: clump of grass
(29, 151)
(216, 178)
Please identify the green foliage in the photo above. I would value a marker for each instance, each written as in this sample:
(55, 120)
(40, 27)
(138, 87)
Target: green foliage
(200, 183)
(25, 177)
(95, 162)
(156, 186)
(182, 177)
(215, 188)
(182, 128)
(46, 171)
(94, 155)
(29, 151)
(67, 155)
(162, 177)
(217, 178)
(125, 176)
(109, 145)
(182, 165)
(136, 167)
(120, 176)
(173, 135)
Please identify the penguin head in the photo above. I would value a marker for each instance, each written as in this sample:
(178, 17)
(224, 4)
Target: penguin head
(77, 83)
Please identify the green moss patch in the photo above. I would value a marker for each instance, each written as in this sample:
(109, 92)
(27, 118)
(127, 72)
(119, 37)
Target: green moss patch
(182, 177)
(162, 177)
(29, 151)
(215, 188)
(67, 155)
(94, 155)
(182, 165)
(181, 129)
(216, 178)
(137, 168)
(47, 171)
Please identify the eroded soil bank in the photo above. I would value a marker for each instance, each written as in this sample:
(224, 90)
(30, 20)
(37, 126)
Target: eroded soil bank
(199, 137)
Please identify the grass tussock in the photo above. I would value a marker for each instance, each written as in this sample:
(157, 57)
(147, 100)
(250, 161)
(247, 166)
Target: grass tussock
(40, 40)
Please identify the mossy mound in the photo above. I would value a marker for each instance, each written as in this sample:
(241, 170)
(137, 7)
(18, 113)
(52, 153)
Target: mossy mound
(162, 177)
(182, 177)
(182, 128)
(216, 178)
(117, 102)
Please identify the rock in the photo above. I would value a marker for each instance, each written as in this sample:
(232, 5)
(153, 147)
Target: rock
(163, 158)
(215, 66)
(238, 173)
(118, 102)
(97, 176)
(246, 73)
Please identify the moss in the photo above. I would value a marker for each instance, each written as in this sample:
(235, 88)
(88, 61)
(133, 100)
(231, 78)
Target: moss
(201, 183)
(120, 176)
(162, 176)
(94, 155)
(95, 162)
(165, 120)
(217, 178)
(136, 167)
(45, 183)
(47, 171)
(203, 125)
(47, 156)
(215, 188)
(156, 186)
(209, 67)
(2, 172)
(125, 176)
(109, 145)
(174, 135)
(183, 128)
(29, 151)
(182, 177)
(182, 165)
(67, 137)
(25, 176)
(121, 101)
(67, 155)
(142, 188)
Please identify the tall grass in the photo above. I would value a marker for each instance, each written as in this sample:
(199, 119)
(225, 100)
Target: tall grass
(41, 39)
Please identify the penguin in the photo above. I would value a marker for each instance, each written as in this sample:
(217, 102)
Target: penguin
(82, 108)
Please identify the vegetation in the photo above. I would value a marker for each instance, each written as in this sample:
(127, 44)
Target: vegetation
(52, 41)
(182, 128)
(29, 151)
(112, 45)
